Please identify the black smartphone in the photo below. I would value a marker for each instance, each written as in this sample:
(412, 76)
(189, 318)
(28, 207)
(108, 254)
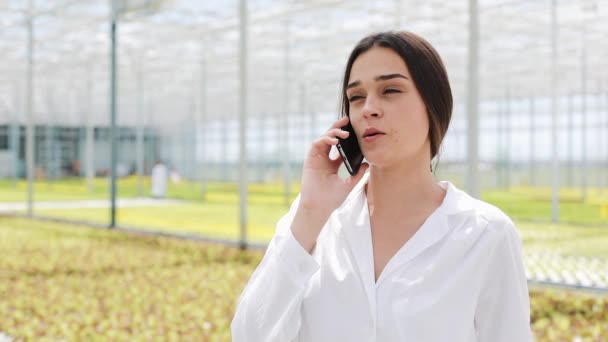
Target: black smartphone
(350, 150)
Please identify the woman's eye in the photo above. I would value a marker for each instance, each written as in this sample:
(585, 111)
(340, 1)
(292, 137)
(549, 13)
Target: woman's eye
(390, 90)
(354, 98)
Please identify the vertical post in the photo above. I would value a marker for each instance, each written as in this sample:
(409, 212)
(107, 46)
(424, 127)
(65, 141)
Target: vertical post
(56, 132)
(139, 133)
(302, 106)
(570, 140)
(189, 140)
(14, 142)
(584, 161)
(473, 101)
(508, 138)
(605, 110)
(314, 130)
(597, 99)
(284, 130)
(605, 91)
(554, 139)
(202, 120)
(243, 121)
(50, 158)
(16, 131)
(48, 150)
(29, 102)
(89, 133)
(261, 159)
(499, 144)
(532, 143)
(113, 135)
(605, 173)
(224, 136)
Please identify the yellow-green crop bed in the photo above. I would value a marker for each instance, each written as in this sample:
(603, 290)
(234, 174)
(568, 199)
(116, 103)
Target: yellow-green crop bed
(73, 283)
(82, 284)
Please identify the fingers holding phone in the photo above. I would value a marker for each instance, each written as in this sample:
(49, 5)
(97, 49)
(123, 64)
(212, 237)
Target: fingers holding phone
(321, 184)
(349, 150)
(318, 156)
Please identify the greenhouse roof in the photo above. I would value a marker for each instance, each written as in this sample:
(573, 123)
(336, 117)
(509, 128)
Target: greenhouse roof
(179, 60)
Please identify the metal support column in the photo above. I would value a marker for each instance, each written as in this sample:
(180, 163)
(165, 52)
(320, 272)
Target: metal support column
(29, 103)
(90, 134)
(284, 127)
(553, 109)
(473, 101)
(140, 130)
(243, 122)
(508, 138)
(570, 140)
(532, 143)
(584, 114)
(202, 126)
(113, 102)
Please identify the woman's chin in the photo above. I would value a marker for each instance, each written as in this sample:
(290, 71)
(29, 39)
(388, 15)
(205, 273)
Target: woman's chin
(377, 162)
(386, 162)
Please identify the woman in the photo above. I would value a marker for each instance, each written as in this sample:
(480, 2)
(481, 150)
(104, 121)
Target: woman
(388, 254)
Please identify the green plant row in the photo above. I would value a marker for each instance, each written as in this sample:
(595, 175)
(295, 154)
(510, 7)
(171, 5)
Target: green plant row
(521, 203)
(73, 283)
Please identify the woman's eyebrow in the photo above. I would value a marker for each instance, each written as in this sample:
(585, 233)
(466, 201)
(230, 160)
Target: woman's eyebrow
(353, 84)
(388, 77)
(377, 78)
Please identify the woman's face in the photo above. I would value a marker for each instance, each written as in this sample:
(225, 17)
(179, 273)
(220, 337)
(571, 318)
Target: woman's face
(386, 110)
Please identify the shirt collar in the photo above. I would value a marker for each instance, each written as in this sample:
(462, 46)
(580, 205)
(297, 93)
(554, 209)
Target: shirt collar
(455, 201)
(353, 218)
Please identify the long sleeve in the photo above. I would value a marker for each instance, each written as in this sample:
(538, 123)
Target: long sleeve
(503, 310)
(269, 307)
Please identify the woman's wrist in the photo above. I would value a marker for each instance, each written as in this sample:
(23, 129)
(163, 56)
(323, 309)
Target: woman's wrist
(307, 225)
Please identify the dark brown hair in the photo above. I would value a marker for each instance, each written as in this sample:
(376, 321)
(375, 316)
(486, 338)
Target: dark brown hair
(428, 73)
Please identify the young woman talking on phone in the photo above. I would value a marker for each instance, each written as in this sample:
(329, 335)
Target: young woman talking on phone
(388, 254)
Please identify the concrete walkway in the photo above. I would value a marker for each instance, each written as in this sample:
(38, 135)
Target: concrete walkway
(121, 203)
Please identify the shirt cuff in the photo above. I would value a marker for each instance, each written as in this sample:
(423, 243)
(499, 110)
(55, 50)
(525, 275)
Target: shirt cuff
(294, 260)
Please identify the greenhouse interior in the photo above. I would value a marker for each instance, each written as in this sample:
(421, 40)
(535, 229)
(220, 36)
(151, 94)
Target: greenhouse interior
(223, 99)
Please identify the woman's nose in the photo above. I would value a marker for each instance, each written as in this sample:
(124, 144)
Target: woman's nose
(371, 108)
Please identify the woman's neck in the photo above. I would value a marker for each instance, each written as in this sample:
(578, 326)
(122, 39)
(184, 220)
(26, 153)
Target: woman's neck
(406, 186)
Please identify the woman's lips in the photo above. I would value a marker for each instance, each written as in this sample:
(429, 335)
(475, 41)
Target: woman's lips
(373, 137)
(372, 134)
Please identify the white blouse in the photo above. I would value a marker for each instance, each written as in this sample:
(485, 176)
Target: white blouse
(459, 278)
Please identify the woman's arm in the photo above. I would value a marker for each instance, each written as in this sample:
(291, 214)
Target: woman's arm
(269, 308)
(503, 310)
